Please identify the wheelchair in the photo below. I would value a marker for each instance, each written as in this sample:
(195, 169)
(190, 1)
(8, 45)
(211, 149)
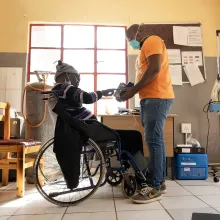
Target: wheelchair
(96, 167)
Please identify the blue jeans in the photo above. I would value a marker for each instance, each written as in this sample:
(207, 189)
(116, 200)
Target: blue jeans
(153, 116)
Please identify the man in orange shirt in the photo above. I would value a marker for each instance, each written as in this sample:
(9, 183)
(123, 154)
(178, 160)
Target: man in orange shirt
(153, 83)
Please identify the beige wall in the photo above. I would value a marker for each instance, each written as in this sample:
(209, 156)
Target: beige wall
(15, 16)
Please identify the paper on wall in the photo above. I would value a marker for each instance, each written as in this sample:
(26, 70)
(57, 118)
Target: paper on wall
(176, 74)
(187, 36)
(180, 35)
(194, 74)
(192, 57)
(174, 56)
(194, 36)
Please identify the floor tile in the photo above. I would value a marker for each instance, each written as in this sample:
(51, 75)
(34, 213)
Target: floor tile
(2, 188)
(8, 196)
(40, 206)
(29, 188)
(176, 191)
(171, 183)
(127, 205)
(103, 192)
(8, 210)
(194, 182)
(182, 202)
(117, 192)
(91, 216)
(93, 205)
(186, 214)
(212, 200)
(149, 214)
(203, 190)
(4, 217)
(218, 209)
(37, 217)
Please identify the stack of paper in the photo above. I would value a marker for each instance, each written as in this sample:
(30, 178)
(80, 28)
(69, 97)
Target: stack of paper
(176, 74)
(194, 74)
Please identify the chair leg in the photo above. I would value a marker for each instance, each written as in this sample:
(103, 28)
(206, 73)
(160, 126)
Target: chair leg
(20, 173)
(5, 172)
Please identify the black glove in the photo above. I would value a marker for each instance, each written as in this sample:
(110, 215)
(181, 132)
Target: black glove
(108, 92)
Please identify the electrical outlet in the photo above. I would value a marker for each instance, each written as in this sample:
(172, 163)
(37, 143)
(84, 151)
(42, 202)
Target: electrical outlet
(186, 128)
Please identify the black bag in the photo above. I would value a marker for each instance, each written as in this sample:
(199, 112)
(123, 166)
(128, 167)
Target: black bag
(70, 136)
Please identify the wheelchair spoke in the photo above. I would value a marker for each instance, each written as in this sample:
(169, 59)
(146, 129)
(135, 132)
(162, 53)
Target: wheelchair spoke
(55, 189)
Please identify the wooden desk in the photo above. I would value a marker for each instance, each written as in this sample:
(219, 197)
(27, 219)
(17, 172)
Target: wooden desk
(132, 122)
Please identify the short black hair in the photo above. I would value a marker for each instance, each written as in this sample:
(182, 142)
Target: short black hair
(132, 31)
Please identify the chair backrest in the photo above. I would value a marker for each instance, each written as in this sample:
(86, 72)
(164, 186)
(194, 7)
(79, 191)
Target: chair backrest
(6, 119)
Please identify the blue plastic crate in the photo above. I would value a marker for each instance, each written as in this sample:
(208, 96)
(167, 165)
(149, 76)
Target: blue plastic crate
(191, 166)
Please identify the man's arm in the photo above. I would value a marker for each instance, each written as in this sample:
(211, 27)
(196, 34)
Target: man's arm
(154, 65)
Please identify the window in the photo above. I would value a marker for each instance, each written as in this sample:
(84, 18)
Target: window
(99, 53)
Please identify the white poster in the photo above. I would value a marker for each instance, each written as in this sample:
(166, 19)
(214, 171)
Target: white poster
(180, 35)
(192, 57)
(194, 74)
(176, 74)
(194, 36)
(174, 56)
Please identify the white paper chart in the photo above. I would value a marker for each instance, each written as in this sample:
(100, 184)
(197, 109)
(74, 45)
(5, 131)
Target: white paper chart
(10, 86)
(194, 36)
(176, 75)
(180, 35)
(194, 74)
(192, 57)
(174, 56)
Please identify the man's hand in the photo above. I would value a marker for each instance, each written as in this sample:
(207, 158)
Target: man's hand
(108, 92)
(127, 93)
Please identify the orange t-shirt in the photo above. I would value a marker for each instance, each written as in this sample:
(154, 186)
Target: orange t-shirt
(161, 86)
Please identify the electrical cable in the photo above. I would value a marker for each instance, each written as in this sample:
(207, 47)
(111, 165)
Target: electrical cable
(206, 110)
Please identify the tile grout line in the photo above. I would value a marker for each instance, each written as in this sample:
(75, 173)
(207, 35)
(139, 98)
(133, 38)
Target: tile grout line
(116, 214)
(64, 213)
(166, 211)
(201, 200)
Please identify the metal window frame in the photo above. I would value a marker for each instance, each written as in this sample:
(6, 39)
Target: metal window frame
(95, 52)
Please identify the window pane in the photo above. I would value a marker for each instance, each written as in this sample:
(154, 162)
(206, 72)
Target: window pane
(81, 60)
(111, 61)
(50, 79)
(44, 59)
(110, 104)
(109, 81)
(78, 36)
(111, 37)
(87, 84)
(46, 36)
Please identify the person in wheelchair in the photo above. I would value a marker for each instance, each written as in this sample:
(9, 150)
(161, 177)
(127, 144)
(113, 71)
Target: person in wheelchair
(67, 88)
(67, 80)
(72, 98)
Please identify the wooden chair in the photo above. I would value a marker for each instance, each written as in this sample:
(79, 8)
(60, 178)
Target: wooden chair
(20, 147)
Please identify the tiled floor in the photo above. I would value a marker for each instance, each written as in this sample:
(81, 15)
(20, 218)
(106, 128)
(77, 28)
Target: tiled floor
(183, 198)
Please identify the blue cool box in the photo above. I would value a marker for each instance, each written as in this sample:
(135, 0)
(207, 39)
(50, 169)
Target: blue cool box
(191, 166)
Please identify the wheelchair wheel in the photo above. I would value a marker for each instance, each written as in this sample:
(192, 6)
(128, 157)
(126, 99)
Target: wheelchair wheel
(50, 182)
(128, 186)
(114, 178)
(216, 179)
